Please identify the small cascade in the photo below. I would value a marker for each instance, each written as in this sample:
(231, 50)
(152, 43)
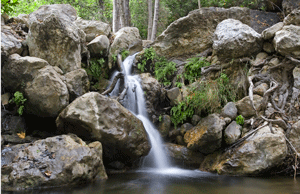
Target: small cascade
(135, 102)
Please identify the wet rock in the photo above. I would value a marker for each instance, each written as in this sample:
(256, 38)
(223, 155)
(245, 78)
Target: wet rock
(77, 83)
(287, 41)
(206, 137)
(254, 156)
(270, 32)
(165, 125)
(54, 37)
(183, 156)
(232, 133)
(289, 5)
(52, 162)
(293, 18)
(246, 109)
(99, 46)
(229, 110)
(96, 117)
(233, 39)
(93, 29)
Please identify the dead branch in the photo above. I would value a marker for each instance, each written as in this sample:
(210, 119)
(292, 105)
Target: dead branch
(294, 60)
(112, 86)
(250, 78)
(278, 122)
(213, 67)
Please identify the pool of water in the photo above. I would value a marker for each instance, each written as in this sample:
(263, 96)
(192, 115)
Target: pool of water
(179, 181)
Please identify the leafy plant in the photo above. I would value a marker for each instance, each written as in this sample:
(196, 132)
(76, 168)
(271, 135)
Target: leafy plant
(95, 68)
(240, 120)
(163, 70)
(193, 68)
(7, 6)
(149, 56)
(125, 54)
(19, 100)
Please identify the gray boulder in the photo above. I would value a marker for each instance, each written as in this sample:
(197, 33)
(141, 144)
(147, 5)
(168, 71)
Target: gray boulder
(270, 32)
(99, 46)
(294, 135)
(96, 117)
(256, 155)
(245, 107)
(93, 29)
(77, 83)
(11, 42)
(206, 137)
(233, 39)
(54, 37)
(229, 110)
(52, 162)
(287, 41)
(183, 156)
(232, 133)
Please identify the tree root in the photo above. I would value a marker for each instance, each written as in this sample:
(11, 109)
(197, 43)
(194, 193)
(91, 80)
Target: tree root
(112, 86)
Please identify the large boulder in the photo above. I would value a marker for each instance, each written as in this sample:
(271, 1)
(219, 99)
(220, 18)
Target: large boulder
(127, 38)
(46, 92)
(289, 5)
(182, 156)
(96, 117)
(93, 29)
(206, 137)
(54, 37)
(193, 33)
(233, 39)
(287, 41)
(254, 156)
(52, 162)
(99, 46)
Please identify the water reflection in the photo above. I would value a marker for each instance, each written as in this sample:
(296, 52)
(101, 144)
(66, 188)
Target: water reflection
(179, 181)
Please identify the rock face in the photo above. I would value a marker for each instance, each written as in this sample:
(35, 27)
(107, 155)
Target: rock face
(257, 154)
(293, 18)
(287, 41)
(206, 137)
(77, 83)
(294, 136)
(99, 46)
(44, 88)
(233, 39)
(296, 75)
(96, 117)
(55, 161)
(183, 156)
(11, 42)
(93, 29)
(54, 37)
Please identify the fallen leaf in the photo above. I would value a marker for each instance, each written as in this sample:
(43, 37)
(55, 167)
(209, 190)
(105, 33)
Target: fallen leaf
(47, 173)
(21, 135)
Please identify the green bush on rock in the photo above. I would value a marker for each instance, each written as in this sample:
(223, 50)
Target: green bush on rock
(19, 100)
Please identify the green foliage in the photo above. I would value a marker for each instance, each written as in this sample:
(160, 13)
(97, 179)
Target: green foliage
(148, 57)
(7, 6)
(19, 100)
(240, 120)
(125, 54)
(96, 68)
(204, 98)
(193, 68)
(164, 69)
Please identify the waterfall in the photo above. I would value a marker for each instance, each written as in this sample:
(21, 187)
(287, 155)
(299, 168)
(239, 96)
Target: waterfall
(135, 102)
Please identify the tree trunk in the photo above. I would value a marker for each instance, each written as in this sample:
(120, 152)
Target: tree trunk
(122, 13)
(150, 19)
(155, 20)
(127, 13)
(115, 16)
(199, 4)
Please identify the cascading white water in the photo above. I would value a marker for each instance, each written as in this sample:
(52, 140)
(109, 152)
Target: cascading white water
(135, 102)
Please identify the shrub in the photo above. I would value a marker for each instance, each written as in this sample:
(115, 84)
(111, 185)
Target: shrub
(193, 68)
(19, 100)
(240, 120)
(8, 5)
(125, 54)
